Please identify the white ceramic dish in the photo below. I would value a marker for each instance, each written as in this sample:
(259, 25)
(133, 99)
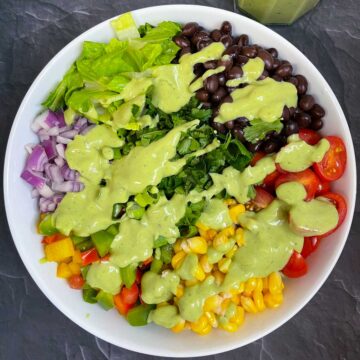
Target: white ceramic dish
(22, 212)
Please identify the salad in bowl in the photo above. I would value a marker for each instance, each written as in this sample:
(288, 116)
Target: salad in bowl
(180, 175)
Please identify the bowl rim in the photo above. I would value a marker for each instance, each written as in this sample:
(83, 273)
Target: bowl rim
(90, 328)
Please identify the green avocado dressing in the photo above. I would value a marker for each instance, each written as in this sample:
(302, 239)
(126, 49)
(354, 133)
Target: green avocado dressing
(187, 269)
(252, 70)
(166, 316)
(297, 155)
(198, 83)
(104, 276)
(263, 99)
(156, 288)
(215, 215)
(171, 82)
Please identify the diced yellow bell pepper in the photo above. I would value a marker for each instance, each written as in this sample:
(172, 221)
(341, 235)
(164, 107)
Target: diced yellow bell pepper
(59, 250)
(63, 271)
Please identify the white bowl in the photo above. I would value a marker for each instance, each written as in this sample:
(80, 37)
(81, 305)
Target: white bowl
(109, 326)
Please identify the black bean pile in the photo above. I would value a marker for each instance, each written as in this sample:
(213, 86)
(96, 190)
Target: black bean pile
(214, 93)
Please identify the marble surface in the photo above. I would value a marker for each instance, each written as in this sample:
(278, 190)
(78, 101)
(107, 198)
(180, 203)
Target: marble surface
(31, 33)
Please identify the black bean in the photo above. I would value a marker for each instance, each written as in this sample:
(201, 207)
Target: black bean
(219, 94)
(284, 70)
(222, 79)
(231, 89)
(277, 78)
(190, 28)
(232, 51)
(184, 51)
(291, 127)
(216, 35)
(206, 105)
(238, 134)
(254, 147)
(317, 111)
(276, 64)
(198, 69)
(230, 124)
(286, 114)
(242, 60)
(264, 75)
(203, 43)
(267, 58)
(292, 111)
(243, 40)
(212, 64)
(199, 35)
(226, 27)
(226, 99)
(306, 102)
(316, 124)
(249, 51)
(211, 84)
(303, 119)
(270, 146)
(182, 41)
(226, 40)
(234, 73)
(241, 122)
(228, 63)
(236, 39)
(302, 84)
(219, 127)
(274, 53)
(285, 62)
(293, 80)
(202, 95)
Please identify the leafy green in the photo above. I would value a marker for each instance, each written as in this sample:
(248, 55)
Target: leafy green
(143, 29)
(164, 31)
(258, 129)
(192, 214)
(125, 27)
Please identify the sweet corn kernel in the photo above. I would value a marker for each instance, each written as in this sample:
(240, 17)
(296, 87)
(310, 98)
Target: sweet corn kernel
(197, 244)
(265, 281)
(162, 304)
(230, 202)
(239, 317)
(258, 298)
(204, 234)
(199, 273)
(250, 286)
(205, 264)
(235, 299)
(177, 246)
(224, 265)
(259, 285)
(239, 236)
(211, 234)
(273, 300)
(248, 304)
(211, 319)
(219, 240)
(212, 304)
(239, 289)
(225, 304)
(185, 246)
(219, 277)
(63, 271)
(201, 326)
(77, 257)
(228, 231)
(229, 326)
(231, 252)
(180, 326)
(201, 226)
(177, 259)
(189, 283)
(275, 283)
(179, 291)
(75, 268)
(235, 211)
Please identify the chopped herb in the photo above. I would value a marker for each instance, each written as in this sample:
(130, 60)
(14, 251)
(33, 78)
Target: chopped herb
(258, 129)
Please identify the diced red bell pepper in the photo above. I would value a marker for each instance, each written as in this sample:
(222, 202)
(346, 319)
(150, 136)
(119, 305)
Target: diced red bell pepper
(89, 256)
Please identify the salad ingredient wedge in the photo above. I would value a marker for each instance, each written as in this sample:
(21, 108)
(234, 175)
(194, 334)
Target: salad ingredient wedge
(180, 176)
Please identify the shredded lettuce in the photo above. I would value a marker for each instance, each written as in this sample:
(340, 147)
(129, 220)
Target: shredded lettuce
(258, 129)
(125, 27)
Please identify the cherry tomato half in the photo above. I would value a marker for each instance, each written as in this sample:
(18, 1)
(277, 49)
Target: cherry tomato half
(262, 198)
(130, 295)
(310, 245)
(257, 156)
(296, 266)
(323, 188)
(120, 305)
(341, 208)
(306, 177)
(309, 136)
(333, 164)
(76, 282)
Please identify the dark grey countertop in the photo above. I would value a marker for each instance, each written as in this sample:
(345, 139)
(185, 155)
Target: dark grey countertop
(31, 33)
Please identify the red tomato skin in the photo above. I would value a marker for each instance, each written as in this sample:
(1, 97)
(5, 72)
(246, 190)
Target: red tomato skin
(309, 136)
(76, 282)
(138, 276)
(130, 296)
(323, 188)
(262, 198)
(257, 156)
(120, 305)
(89, 256)
(310, 245)
(341, 206)
(332, 166)
(269, 182)
(306, 177)
(296, 266)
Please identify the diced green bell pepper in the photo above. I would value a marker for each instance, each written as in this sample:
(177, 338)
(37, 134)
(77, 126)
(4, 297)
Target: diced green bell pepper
(84, 270)
(128, 275)
(105, 299)
(113, 229)
(89, 294)
(156, 266)
(135, 211)
(138, 315)
(160, 241)
(117, 153)
(85, 245)
(166, 253)
(46, 226)
(102, 241)
(78, 239)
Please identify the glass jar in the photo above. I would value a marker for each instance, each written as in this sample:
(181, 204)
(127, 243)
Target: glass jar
(276, 11)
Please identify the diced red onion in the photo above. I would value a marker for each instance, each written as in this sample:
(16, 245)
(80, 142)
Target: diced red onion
(69, 174)
(55, 119)
(50, 148)
(45, 191)
(46, 205)
(33, 178)
(69, 134)
(37, 159)
(54, 131)
(35, 193)
(55, 174)
(29, 147)
(40, 122)
(43, 135)
(57, 198)
(64, 128)
(80, 124)
(60, 148)
(86, 130)
(59, 161)
(62, 140)
(68, 186)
